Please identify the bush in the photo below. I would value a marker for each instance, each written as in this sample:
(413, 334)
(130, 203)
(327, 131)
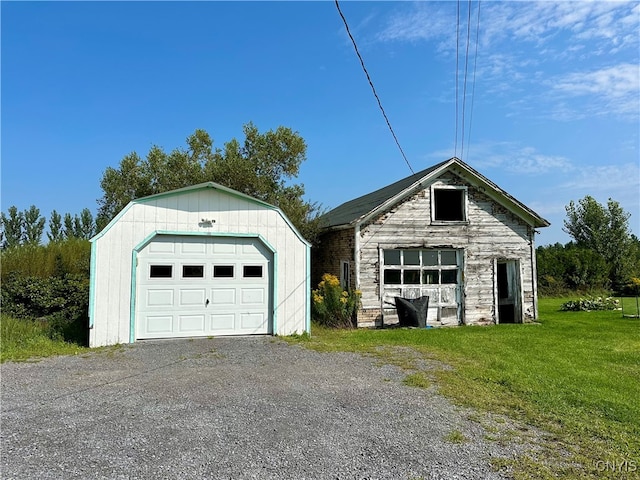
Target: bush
(52, 260)
(590, 303)
(332, 306)
(60, 302)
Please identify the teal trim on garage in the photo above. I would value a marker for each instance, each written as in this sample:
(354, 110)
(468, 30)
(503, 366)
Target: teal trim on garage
(150, 237)
(92, 283)
(308, 292)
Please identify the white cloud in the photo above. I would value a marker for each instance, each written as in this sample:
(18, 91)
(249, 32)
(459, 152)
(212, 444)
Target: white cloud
(610, 90)
(616, 179)
(511, 157)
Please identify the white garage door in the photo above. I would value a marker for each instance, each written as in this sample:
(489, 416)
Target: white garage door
(200, 286)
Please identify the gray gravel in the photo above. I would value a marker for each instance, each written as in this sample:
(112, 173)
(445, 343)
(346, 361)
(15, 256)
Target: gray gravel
(231, 408)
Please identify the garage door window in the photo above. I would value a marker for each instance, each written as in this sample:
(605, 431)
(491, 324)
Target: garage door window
(193, 271)
(223, 271)
(252, 271)
(160, 271)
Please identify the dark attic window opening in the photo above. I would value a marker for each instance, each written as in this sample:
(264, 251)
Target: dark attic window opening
(449, 205)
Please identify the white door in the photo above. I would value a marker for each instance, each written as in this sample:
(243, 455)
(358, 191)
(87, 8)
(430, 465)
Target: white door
(189, 286)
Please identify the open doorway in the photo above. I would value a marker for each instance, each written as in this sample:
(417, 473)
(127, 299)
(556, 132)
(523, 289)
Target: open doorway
(508, 280)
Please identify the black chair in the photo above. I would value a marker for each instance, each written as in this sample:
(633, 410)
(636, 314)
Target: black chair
(412, 312)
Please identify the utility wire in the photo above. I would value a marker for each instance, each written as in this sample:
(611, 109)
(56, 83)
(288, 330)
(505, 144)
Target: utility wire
(344, 20)
(455, 142)
(466, 67)
(475, 61)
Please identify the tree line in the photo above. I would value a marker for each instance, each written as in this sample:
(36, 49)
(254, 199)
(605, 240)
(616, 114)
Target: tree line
(603, 255)
(27, 227)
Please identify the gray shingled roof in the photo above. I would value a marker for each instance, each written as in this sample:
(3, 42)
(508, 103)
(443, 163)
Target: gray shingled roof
(356, 208)
(353, 210)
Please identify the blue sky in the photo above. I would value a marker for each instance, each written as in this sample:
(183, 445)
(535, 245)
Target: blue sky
(554, 116)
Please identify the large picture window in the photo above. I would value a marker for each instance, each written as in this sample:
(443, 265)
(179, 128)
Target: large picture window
(420, 267)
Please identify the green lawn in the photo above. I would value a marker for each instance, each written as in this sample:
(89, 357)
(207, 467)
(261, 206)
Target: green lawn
(22, 340)
(575, 374)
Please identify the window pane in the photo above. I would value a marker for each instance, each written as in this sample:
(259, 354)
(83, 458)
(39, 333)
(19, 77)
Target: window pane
(430, 277)
(411, 277)
(429, 257)
(411, 257)
(448, 258)
(192, 271)
(392, 257)
(252, 271)
(392, 277)
(449, 276)
(161, 271)
(449, 204)
(223, 271)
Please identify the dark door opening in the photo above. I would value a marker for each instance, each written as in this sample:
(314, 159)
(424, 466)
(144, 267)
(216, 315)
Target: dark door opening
(508, 280)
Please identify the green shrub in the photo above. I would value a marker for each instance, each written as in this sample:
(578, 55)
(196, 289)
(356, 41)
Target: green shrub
(52, 260)
(332, 306)
(60, 302)
(590, 303)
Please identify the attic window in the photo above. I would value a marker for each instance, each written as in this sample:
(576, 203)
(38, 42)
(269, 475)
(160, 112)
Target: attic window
(449, 204)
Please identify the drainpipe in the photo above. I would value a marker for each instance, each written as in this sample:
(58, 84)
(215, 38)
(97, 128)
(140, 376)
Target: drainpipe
(534, 273)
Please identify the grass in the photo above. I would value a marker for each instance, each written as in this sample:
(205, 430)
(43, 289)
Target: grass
(575, 375)
(22, 340)
(630, 306)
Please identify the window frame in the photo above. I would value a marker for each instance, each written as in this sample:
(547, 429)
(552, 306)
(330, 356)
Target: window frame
(423, 267)
(464, 200)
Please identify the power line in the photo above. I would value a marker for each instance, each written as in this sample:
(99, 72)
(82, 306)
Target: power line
(455, 142)
(475, 61)
(375, 94)
(466, 67)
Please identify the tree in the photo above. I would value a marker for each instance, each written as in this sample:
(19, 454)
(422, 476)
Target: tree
(13, 227)
(87, 225)
(55, 227)
(33, 226)
(603, 230)
(262, 166)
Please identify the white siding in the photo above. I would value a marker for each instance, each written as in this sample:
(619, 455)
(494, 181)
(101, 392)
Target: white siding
(182, 213)
(491, 233)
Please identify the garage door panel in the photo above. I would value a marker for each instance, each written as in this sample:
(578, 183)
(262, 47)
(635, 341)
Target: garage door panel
(252, 321)
(159, 323)
(223, 296)
(222, 321)
(192, 297)
(224, 248)
(191, 323)
(253, 296)
(190, 248)
(159, 298)
(162, 247)
(172, 303)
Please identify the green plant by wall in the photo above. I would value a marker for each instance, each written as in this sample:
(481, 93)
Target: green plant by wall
(332, 305)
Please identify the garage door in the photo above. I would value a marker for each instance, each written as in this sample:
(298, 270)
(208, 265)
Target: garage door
(200, 286)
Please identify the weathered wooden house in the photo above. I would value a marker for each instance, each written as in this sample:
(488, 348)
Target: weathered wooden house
(446, 232)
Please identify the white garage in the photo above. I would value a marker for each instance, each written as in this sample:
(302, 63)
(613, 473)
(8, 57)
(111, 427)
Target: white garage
(199, 261)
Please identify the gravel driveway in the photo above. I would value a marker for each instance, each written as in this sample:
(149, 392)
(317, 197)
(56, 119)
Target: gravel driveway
(231, 408)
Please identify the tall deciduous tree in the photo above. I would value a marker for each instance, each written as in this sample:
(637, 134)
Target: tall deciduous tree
(33, 226)
(13, 227)
(55, 227)
(604, 230)
(263, 166)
